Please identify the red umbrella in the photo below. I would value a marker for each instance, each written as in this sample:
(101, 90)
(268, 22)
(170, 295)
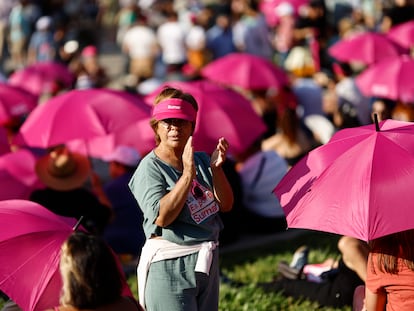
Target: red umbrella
(246, 71)
(222, 113)
(81, 114)
(15, 102)
(366, 48)
(17, 175)
(403, 34)
(358, 184)
(42, 76)
(30, 244)
(390, 78)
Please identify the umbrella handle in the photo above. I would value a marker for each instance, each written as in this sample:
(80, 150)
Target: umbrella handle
(75, 227)
(377, 128)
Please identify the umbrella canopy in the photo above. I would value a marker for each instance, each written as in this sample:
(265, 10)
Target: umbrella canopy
(358, 184)
(403, 34)
(390, 78)
(42, 76)
(30, 244)
(15, 102)
(138, 135)
(366, 48)
(17, 175)
(81, 114)
(222, 113)
(245, 71)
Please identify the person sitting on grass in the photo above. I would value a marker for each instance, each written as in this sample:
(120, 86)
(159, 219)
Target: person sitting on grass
(91, 276)
(334, 288)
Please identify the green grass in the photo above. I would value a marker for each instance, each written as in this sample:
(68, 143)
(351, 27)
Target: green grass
(260, 265)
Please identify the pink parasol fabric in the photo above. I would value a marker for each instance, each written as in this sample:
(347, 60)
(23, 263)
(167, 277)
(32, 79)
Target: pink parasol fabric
(42, 77)
(358, 184)
(15, 102)
(222, 113)
(30, 244)
(81, 114)
(4, 141)
(366, 48)
(17, 175)
(245, 71)
(138, 135)
(390, 78)
(403, 34)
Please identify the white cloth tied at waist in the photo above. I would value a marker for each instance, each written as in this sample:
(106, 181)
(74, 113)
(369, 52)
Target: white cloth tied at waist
(158, 249)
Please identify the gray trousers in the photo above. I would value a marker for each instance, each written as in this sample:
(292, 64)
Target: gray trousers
(173, 285)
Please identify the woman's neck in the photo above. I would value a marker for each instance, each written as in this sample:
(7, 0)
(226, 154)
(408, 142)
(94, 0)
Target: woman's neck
(170, 156)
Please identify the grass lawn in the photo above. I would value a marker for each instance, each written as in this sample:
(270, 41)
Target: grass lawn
(259, 264)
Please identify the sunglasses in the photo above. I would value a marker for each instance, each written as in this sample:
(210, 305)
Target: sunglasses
(168, 123)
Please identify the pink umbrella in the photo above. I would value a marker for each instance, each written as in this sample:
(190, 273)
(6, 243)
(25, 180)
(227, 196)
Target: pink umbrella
(358, 184)
(42, 76)
(403, 34)
(222, 113)
(30, 243)
(138, 135)
(17, 175)
(268, 8)
(15, 102)
(81, 114)
(366, 48)
(4, 141)
(246, 71)
(390, 78)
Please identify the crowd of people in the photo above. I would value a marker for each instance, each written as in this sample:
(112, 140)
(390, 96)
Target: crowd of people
(170, 208)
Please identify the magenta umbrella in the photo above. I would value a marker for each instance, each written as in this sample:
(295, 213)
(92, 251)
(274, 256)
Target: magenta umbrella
(17, 175)
(30, 244)
(222, 113)
(246, 71)
(366, 48)
(390, 78)
(358, 184)
(138, 135)
(403, 34)
(81, 114)
(15, 102)
(42, 76)
(4, 141)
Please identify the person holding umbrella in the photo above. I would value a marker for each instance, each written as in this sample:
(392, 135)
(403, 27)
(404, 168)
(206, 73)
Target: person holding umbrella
(180, 193)
(390, 272)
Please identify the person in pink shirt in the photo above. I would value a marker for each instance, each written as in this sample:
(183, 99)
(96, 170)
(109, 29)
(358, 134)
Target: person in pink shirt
(390, 273)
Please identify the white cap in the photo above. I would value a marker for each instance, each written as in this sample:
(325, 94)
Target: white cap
(126, 155)
(44, 23)
(284, 8)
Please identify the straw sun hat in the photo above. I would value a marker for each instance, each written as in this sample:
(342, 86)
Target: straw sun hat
(63, 170)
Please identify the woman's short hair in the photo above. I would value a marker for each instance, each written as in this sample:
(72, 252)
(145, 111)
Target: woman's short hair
(90, 273)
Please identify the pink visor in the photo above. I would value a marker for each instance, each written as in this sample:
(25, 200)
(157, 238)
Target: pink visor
(174, 108)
